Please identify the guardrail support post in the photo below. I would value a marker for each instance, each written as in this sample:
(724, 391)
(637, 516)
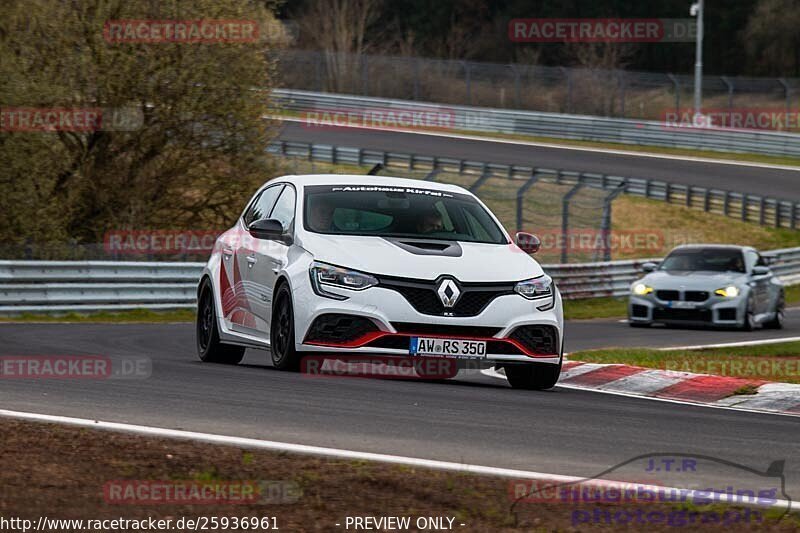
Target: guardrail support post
(521, 198)
(375, 170)
(744, 207)
(565, 219)
(484, 176)
(431, 176)
(677, 85)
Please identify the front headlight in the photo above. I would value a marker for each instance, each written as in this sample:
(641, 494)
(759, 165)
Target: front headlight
(323, 275)
(728, 292)
(640, 289)
(536, 288)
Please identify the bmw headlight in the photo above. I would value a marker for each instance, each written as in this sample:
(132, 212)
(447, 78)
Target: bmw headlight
(537, 289)
(728, 292)
(323, 275)
(640, 289)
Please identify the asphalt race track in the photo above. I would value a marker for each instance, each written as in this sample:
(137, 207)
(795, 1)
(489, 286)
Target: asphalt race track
(776, 182)
(476, 419)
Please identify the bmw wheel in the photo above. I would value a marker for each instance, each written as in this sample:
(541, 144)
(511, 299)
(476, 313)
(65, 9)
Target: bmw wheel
(209, 348)
(780, 310)
(284, 356)
(749, 316)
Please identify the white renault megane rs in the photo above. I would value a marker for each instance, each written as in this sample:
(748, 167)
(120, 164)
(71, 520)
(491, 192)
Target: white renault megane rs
(357, 265)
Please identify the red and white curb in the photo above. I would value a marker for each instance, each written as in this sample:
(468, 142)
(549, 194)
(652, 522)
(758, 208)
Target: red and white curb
(680, 387)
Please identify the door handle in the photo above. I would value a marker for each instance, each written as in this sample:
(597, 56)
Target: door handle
(227, 253)
(251, 260)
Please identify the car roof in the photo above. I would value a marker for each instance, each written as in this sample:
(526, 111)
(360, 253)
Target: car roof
(362, 179)
(713, 247)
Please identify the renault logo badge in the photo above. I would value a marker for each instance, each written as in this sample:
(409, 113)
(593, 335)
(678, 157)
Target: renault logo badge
(448, 292)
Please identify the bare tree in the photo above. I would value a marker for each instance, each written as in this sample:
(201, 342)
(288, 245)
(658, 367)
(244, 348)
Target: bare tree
(772, 37)
(339, 28)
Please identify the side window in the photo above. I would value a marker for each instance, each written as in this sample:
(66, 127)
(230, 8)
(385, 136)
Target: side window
(262, 205)
(751, 259)
(284, 208)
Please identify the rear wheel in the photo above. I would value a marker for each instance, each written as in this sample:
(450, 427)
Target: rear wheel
(209, 348)
(281, 338)
(533, 376)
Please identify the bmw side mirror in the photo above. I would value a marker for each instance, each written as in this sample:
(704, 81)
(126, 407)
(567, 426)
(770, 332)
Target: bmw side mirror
(266, 228)
(761, 270)
(527, 242)
(649, 267)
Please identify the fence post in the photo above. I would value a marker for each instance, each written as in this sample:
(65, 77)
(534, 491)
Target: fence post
(416, 78)
(788, 92)
(467, 82)
(521, 197)
(605, 223)
(568, 75)
(565, 219)
(729, 84)
(677, 92)
(364, 74)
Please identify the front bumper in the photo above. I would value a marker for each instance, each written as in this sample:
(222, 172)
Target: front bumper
(716, 311)
(394, 321)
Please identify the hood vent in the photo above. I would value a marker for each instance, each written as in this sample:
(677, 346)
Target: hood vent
(428, 247)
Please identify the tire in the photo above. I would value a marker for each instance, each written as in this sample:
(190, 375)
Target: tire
(209, 348)
(281, 338)
(777, 321)
(749, 319)
(533, 376)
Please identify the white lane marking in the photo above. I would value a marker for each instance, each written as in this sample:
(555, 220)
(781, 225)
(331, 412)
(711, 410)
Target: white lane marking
(350, 454)
(646, 381)
(649, 155)
(680, 402)
(732, 344)
(720, 405)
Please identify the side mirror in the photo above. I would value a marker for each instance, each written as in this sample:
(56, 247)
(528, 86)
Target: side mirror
(527, 242)
(649, 267)
(266, 228)
(761, 270)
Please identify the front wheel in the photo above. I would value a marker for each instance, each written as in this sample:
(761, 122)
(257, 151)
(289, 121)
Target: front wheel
(281, 338)
(780, 311)
(209, 348)
(533, 376)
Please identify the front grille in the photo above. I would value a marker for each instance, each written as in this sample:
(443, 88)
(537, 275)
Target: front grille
(668, 295)
(688, 315)
(423, 297)
(445, 329)
(338, 328)
(695, 296)
(727, 313)
(537, 339)
(639, 311)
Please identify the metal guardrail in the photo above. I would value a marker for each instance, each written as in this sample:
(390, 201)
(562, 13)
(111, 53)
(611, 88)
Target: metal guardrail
(746, 207)
(62, 286)
(555, 125)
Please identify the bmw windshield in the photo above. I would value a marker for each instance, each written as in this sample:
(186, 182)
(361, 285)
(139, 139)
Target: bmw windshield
(401, 212)
(704, 259)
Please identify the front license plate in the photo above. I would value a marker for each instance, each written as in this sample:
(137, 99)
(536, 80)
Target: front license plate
(682, 305)
(426, 346)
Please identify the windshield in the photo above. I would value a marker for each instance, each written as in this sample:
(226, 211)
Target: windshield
(708, 259)
(386, 211)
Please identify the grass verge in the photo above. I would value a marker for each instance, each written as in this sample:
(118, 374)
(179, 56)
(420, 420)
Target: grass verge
(769, 362)
(136, 315)
(70, 473)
